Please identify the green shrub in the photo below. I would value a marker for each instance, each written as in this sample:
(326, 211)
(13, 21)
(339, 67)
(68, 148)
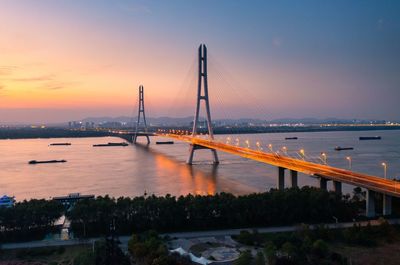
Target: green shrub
(320, 248)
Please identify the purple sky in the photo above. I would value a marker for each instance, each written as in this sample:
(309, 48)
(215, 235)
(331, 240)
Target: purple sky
(64, 60)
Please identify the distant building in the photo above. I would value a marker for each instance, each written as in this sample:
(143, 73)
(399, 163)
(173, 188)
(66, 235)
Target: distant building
(72, 198)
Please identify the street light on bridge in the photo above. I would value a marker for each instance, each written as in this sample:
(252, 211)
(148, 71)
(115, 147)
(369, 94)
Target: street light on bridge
(259, 146)
(348, 158)
(384, 169)
(237, 141)
(302, 153)
(324, 158)
(284, 149)
(270, 148)
(247, 143)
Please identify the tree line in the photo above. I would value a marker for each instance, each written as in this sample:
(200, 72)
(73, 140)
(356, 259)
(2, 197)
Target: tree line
(32, 220)
(220, 211)
(29, 220)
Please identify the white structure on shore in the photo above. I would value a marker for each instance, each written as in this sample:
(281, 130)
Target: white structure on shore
(7, 201)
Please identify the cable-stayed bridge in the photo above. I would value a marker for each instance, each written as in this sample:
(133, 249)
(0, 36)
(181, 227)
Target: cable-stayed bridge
(372, 184)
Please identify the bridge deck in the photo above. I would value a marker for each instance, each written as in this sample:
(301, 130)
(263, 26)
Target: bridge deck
(389, 187)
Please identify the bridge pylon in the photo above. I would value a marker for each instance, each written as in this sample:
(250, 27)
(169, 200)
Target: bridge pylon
(141, 112)
(202, 94)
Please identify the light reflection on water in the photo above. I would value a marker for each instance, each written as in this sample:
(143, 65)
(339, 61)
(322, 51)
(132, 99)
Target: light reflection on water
(161, 169)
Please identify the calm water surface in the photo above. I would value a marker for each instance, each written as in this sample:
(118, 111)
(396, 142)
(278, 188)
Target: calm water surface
(161, 169)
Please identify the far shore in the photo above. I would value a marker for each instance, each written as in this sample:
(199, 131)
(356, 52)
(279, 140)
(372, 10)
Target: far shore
(57, 132)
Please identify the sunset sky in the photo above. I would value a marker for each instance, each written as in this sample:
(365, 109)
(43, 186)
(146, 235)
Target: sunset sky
(64, 60)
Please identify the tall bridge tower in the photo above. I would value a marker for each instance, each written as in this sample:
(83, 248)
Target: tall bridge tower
(141, 111)
(202, 94)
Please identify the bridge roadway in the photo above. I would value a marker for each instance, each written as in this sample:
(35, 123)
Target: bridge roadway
(371, 183)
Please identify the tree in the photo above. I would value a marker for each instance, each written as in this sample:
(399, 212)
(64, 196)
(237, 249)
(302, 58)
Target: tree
(289, 249)
(320, 248)
(103, 254)
(84, 258)
(270, 252)
(245, 258)
(259, 260)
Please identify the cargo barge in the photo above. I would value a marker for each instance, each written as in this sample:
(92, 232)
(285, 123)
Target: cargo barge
(33, 162)
(370, 138)
(110, 144)
(165, 142)
(338, 148)
(59, 144)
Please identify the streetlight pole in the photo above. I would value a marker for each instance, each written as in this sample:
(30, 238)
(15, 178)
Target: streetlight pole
(259, 146)
(348, 158)
(303, 155)
(270, 147)
(384, 169)
(284, 149)
(324, 158)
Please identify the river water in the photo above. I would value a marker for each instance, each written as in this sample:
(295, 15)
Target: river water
(161, 169)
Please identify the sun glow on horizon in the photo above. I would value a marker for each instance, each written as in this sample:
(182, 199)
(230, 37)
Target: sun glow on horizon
(82, 56)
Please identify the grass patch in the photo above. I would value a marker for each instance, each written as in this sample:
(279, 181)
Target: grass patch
(384, 253)
(63, 255)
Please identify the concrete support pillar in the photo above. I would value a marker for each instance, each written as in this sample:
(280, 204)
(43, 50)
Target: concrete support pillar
(191, 154)
(323, 183)
(194, 147)
(387, 204)
(215, 155)
(370, 207)
(293, 178)
(337, 187)
(281, 178)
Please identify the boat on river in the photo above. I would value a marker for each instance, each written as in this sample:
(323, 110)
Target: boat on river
(110, 144)
(33, 162)
(339, 148)
(52, 144)
(370, 138)
(165, 142)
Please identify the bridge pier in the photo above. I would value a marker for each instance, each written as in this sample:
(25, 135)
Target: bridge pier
(194, 147)
(191, 154)
(387, 204)
(337, 187)
(293, 178)
(370, 204)
(281, 178)
(323, 183)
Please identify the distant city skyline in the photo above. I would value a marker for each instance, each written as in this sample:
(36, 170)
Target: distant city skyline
(67, 60)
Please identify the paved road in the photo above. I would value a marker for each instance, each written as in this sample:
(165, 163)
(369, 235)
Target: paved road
(229, 232)
(266, 230)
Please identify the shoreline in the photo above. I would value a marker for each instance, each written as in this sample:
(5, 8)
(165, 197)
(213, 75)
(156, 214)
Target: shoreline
(47, 133)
